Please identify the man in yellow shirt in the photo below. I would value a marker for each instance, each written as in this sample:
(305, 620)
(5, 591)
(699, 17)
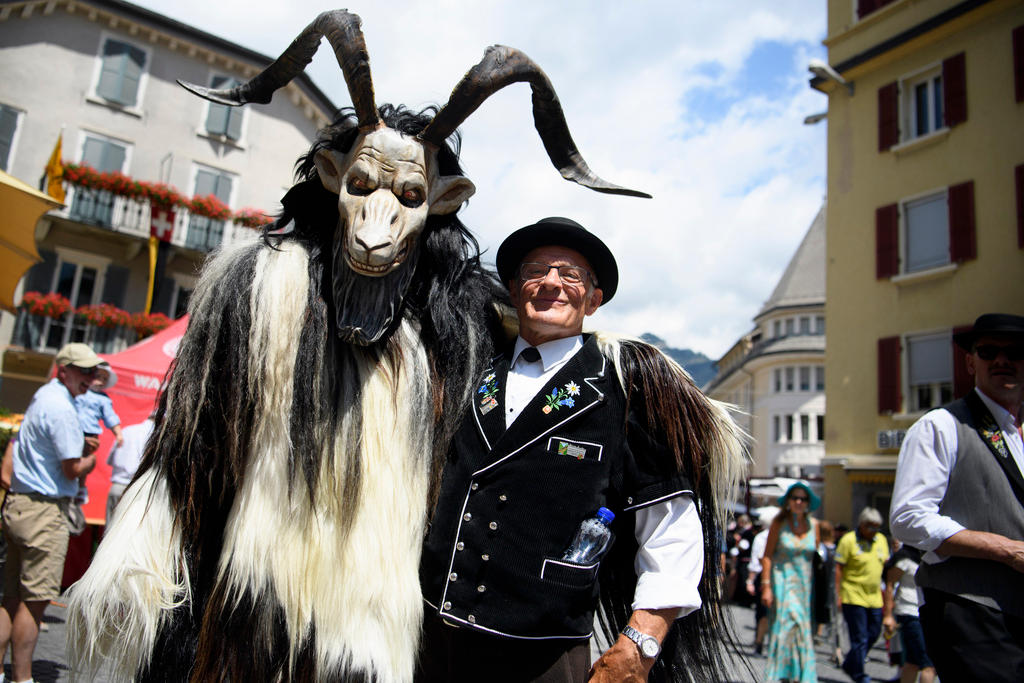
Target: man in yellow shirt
(860, 556)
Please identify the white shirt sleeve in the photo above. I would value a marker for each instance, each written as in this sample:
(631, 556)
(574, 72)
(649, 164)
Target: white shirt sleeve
(670, 560)
(757, 552)
(925, 463)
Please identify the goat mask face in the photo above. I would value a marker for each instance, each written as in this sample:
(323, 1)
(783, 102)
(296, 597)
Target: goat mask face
(387, 185)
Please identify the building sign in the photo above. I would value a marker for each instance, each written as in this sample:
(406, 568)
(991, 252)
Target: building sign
(891, 439)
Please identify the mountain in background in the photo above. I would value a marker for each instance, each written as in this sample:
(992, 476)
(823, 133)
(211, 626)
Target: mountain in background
(700, 367)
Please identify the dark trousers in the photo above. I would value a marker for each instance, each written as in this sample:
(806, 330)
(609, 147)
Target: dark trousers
(864, 625)
(971, 642)
(461, 655)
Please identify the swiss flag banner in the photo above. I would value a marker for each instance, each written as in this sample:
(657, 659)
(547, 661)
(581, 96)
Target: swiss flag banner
(162, 224)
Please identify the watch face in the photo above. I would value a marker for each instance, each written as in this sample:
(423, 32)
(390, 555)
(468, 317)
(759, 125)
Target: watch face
(650, 647)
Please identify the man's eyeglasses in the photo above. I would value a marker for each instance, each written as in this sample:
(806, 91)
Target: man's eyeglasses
(569, 275)
(88, 372)
(991, 352)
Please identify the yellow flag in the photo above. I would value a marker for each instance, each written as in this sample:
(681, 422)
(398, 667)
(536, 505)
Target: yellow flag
(55, 173)
(154, 245)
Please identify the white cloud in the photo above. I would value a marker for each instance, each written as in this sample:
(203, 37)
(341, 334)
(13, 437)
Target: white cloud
(734, 189)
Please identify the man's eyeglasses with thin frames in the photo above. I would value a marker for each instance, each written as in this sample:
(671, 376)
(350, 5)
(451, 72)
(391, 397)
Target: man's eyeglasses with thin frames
(569, 275)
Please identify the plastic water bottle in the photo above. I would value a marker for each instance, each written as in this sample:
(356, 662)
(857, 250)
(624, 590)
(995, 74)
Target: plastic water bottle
(592, 538)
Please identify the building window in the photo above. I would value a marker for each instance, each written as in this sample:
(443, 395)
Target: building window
(122, 68)
(922, 105)
(106, 156)
(805, 428)
(819, 324)
(777, 326)
(819, 378)
(788, 420)
(776, 431)
(866, 7)
(8, 128)
(221, 119)
(789, 378)
(805, 325)
(206, 233)
(925, 232)
(929, 370)
(821, 427)
(777, 379)
(805, 378)
(790, 327)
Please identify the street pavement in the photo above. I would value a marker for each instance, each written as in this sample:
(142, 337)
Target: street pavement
(50, 664)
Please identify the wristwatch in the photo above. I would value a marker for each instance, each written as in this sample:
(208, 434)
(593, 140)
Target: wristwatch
(648, 645)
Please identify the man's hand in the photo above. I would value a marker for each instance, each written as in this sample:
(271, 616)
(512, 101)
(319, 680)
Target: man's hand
(889, 625)
(985, 545)
(621, 663)
(92, 443)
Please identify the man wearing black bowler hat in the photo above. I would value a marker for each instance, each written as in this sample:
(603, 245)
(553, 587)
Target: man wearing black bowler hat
(561, 424)
(959, 494)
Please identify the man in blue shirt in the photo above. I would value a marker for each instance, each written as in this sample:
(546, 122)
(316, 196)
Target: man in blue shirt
(49, 457)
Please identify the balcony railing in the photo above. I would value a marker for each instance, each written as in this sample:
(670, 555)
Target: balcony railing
(130, 216)
(39, 333)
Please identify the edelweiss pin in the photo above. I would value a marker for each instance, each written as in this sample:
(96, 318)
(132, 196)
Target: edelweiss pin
(489, 388)
(561, 397)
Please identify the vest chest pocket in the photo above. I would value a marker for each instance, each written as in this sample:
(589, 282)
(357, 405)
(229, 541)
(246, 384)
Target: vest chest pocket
(574, 448)
(568, 574)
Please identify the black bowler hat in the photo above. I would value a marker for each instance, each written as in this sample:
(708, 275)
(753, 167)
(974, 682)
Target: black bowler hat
(561, 232)
(990, 323)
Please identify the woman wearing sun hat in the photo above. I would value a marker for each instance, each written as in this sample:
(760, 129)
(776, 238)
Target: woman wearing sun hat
(786, 586)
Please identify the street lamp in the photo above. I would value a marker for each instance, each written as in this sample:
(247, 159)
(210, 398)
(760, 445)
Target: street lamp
(825, 71)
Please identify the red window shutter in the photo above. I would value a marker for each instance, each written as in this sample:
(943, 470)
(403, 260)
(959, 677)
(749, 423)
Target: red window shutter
(887, 246)
(888, 116)
(963, 382)
(954, 90)
(1019, 177)
(1018, 62)
(889, 399)
(866, 7)
(962, 243)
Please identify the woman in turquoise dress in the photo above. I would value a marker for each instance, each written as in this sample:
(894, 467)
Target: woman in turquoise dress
(788, 561)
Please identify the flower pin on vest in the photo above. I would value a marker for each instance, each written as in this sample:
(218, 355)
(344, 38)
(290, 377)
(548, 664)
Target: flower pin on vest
(561, 397)
(991, 432)
(489, 388)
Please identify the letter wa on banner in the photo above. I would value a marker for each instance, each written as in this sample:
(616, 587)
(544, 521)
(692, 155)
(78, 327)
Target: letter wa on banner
(161, 224)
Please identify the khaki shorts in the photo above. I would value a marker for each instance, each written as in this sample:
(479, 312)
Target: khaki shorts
(37, 541)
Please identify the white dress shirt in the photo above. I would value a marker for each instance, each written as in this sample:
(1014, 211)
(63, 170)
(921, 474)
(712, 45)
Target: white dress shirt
(925, 464)
(670, 560)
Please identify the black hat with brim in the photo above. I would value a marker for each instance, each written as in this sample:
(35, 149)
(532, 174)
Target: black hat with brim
(990, 323)
(561, 232)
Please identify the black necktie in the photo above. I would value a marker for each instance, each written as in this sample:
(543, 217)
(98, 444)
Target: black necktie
(530, 354)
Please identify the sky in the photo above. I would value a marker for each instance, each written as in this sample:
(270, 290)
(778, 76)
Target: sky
(697, 102)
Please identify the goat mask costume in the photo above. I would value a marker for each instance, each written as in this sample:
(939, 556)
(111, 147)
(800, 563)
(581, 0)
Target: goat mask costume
(273, 530)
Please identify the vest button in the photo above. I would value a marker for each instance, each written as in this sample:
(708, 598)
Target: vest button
(471, 619)
(493, 526)
(466, 517)
(460, 545)
(485, 557)
(474, 486)
(453, 577)
(481, 588)
(446, 606)
(503, 498)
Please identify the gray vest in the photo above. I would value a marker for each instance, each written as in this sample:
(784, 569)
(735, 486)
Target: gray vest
(985, 493)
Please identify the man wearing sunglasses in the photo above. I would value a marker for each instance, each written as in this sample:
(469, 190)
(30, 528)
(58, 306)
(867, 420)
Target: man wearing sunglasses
(959, 494)
(49, 457)
(548, 440)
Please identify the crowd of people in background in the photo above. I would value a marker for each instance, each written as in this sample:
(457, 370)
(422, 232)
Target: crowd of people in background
(814, 585)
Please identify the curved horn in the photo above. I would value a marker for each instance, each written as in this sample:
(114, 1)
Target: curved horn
(342, 30)
(503, 66)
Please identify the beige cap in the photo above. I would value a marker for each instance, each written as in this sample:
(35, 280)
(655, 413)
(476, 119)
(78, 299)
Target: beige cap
(79, 355)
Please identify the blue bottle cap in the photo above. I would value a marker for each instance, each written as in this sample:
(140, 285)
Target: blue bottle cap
(605, 515)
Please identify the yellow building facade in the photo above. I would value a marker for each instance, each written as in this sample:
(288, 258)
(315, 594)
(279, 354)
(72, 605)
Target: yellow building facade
(925, 219)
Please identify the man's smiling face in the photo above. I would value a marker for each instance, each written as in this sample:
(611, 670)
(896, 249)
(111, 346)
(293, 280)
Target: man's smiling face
(549, 308)
(999, 378)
